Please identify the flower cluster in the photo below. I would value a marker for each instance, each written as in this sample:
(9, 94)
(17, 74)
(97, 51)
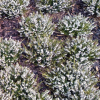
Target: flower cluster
(12, 8)
(9, 52)
(75, 25)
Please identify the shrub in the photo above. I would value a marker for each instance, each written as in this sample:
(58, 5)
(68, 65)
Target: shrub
(9, 52)
(12, 8)
(53, 6)
(36, 25)
(81, 49)
(42, 50)
(72, 79)
(93, 6)
(72, 82)
(17, 83)
(75, 25)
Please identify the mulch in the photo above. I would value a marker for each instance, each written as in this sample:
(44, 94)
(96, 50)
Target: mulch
(8, 28)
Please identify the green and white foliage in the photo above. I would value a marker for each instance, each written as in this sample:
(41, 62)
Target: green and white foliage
(72, 82)
(12, 8)
(75, 25)
(17, 82)
(45, 96)
(42, 50)
(36, 25)
(53, 6)
(93, 6)
(72, 79)
(9, 51)
(82, 50)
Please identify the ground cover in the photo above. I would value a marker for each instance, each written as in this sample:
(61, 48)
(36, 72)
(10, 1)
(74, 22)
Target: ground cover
(13, 27)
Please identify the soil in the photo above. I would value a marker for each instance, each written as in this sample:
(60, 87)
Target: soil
(8, 28)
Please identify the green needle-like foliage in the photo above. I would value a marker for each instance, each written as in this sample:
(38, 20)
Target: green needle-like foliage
(81, 49)
(75, 25)
(12, 8)
(72, 82)
(93, 6)
(43, 50)
(18, 83)
(72, 79)
(10, 50)
(53, 6)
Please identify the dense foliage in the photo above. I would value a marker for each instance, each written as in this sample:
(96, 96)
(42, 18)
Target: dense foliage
(53, 6)
(67, 62)
(93, 6)
(17, 82)
(72, 82)
(10, 50)
(43, 50)
(72, 78)
(13, 8)
(75, 25)
(82, 50)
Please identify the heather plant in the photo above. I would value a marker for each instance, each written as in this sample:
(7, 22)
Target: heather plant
(93, 6)
(42, 50)
(9, 51)
(75, 25)
(72, 82)
(71, 78)
(53, 6)
(12, 8)
(18, 83)
(81, 49)
(36, 25)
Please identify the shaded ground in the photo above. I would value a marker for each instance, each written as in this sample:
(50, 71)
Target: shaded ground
(8, 28)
